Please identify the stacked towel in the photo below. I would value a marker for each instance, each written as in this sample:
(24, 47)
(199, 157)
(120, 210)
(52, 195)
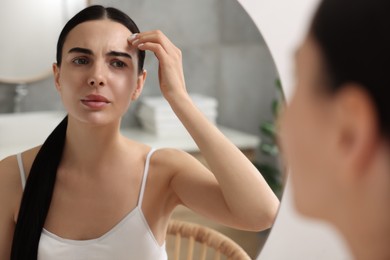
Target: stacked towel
(157, 117)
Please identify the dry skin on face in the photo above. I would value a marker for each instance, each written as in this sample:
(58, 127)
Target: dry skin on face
(98, 51)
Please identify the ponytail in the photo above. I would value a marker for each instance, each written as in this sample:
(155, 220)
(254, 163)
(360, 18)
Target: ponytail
(37, 195)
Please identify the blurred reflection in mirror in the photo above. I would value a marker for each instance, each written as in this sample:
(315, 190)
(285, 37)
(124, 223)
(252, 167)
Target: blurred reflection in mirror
(224, 58)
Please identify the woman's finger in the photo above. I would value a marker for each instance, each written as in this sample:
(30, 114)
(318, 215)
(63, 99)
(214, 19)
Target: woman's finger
(158, 50)
(153, 37)
(170, 71)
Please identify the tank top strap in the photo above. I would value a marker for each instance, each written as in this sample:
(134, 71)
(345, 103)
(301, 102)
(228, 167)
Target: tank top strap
(21, 170)
(144, 177)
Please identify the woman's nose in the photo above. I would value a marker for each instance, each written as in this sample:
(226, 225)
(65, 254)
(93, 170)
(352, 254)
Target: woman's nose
(97, 77)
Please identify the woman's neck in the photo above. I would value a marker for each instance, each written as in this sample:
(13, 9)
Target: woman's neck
(365, 222)
(89, 146)
(363, 212)
(370, 240)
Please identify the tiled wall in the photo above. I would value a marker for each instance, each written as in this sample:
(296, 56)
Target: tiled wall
(224, 56)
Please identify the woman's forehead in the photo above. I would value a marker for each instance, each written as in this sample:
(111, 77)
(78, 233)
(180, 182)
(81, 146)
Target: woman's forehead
(99, 34)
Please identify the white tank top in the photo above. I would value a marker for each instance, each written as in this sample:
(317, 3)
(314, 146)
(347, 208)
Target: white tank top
(131, 238)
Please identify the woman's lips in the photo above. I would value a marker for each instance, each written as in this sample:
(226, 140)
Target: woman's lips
(95, 101)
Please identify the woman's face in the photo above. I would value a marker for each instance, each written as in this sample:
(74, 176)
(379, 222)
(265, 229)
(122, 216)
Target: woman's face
(307, 136)
(98, 76)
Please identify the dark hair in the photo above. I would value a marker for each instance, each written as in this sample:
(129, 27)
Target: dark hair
(354, 39)
(98, 12)
(39, 188)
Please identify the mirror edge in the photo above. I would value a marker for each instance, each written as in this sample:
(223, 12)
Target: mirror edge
(291, 232)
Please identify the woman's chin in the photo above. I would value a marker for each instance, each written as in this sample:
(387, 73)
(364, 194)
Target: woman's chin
(96, 118)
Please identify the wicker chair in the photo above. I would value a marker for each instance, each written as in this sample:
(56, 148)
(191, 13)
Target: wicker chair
(204, 239)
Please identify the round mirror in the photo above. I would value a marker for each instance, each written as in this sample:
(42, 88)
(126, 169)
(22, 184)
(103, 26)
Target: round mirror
(292, 236)
(224, 57)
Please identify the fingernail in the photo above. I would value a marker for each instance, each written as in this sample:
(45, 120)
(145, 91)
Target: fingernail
(141, 44)
(132, 37)
(135, 42)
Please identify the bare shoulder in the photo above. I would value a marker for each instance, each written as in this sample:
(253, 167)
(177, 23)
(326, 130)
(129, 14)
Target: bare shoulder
(11, 191)
(10, 187)
(174, 160)
(9, 173)
(10, 180)
(162, 157)
(28, 158)
(171, 157)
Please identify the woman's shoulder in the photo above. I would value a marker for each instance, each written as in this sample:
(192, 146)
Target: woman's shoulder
(9, 168)
(170, 154)
(165, 159)
(160, 155)
(171, 159)
(9, 172)
(10, 180)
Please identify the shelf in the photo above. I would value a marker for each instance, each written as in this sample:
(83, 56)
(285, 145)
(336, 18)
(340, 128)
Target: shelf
(22, 131)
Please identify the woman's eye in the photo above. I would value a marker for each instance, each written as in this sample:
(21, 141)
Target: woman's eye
(118, 64)
(80, 61)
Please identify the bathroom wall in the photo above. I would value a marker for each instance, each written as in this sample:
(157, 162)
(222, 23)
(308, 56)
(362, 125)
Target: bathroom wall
(224, 56)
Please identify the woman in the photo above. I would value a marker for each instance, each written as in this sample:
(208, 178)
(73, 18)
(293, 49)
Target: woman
(336, 129)
(91, 193)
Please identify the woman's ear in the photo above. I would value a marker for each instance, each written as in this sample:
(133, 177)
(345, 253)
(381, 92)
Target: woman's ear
(358, 125)
(140, 84)
(56, 73)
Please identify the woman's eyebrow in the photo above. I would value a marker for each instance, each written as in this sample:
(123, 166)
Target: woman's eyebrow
(81, 50)
(120, 54)
(89, 52)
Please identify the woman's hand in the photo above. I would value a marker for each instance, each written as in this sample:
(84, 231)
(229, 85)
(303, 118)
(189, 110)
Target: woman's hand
(170, 71)
(239, 195)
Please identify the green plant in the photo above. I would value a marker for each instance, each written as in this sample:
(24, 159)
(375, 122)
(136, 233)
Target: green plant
(269, 147)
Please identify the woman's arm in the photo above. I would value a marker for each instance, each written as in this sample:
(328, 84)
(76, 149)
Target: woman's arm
(238, 188)
(10, 193)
